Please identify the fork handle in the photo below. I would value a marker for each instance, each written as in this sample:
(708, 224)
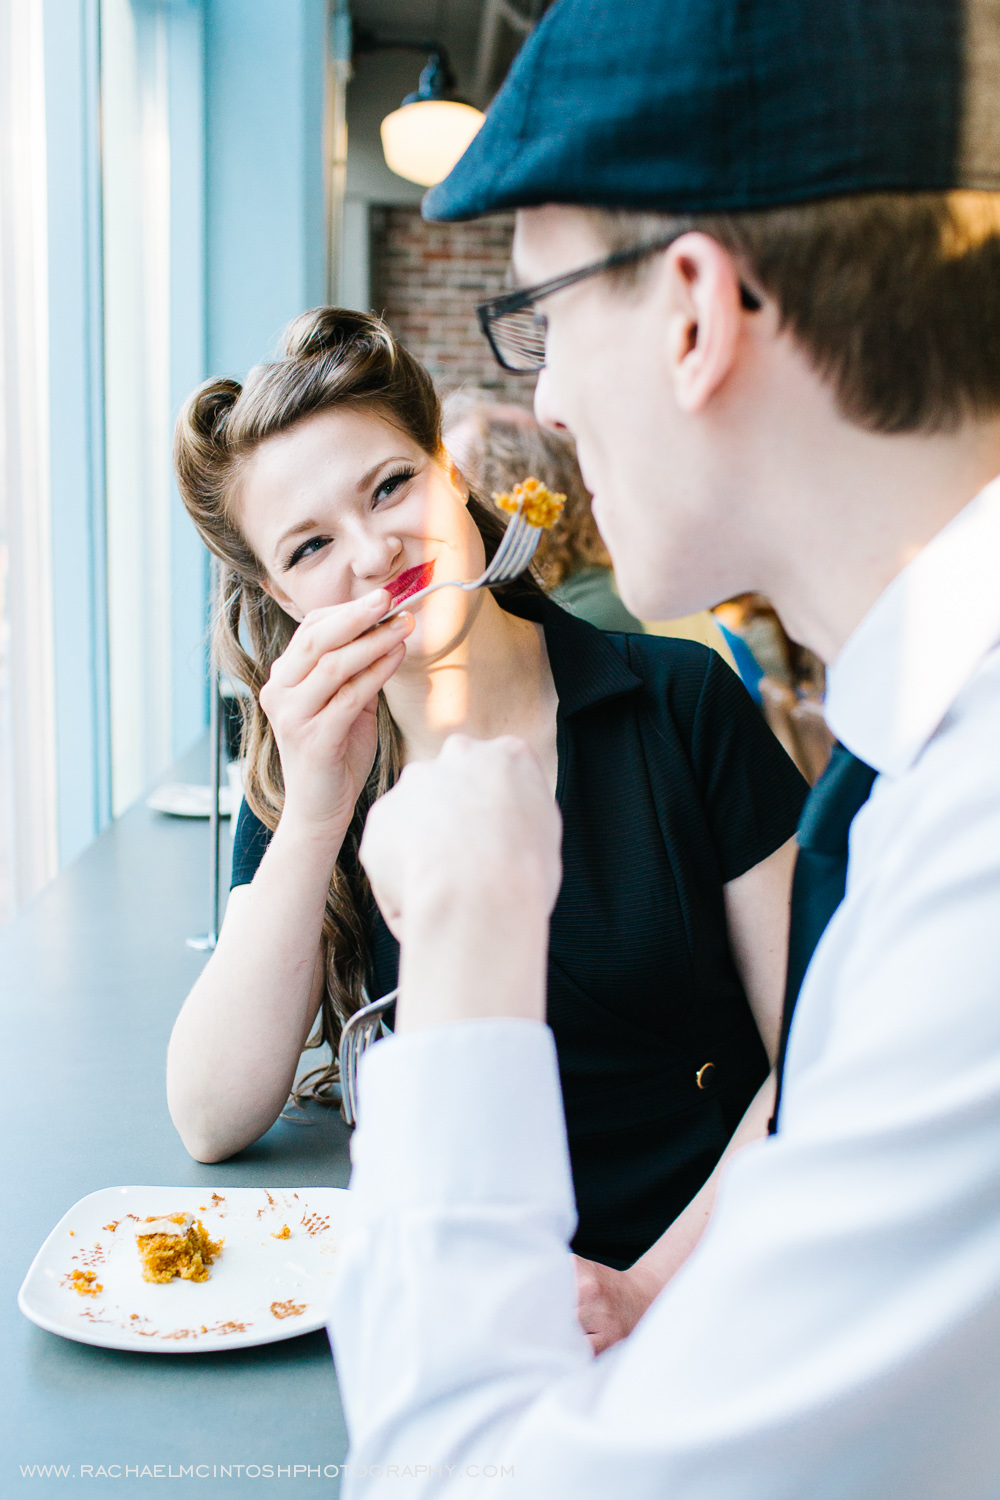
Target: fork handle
(421, 595)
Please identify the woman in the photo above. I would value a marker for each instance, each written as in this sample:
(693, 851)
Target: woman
(323, 488)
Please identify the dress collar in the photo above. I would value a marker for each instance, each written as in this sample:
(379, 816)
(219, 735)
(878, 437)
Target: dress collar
(586, 667)
(922, 640)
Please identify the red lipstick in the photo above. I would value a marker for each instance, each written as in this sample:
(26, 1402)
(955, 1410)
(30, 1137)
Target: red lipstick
(410, 581)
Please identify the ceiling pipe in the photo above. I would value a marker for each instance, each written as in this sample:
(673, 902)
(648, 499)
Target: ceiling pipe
(495, 14)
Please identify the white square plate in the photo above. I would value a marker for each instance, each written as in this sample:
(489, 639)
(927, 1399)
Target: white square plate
(261, 1288)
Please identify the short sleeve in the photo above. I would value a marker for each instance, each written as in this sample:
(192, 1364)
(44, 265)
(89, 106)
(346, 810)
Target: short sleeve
(751, 790)
(249, 843)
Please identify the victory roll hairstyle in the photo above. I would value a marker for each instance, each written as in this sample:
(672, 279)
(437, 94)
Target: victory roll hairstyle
(331, 358)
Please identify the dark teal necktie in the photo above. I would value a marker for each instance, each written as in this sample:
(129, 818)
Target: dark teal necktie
(820, 876)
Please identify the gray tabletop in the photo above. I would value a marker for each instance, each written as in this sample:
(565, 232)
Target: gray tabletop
(92, 974)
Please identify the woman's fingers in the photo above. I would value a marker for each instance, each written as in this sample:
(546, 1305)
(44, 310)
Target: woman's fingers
(335, 669)
(325, 630)
(288, 704)
(354, 696)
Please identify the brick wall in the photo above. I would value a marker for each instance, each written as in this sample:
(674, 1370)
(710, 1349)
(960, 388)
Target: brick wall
(426, 281)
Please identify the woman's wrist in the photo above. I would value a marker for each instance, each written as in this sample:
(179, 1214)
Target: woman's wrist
(647, 1281)
(321, 838)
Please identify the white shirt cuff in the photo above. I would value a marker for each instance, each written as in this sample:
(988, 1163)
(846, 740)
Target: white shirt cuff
(469, 1113)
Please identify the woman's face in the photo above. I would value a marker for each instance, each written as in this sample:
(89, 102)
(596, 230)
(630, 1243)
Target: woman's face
(343, 503)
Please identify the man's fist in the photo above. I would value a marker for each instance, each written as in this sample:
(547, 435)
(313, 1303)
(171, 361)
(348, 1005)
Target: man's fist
(463, 858)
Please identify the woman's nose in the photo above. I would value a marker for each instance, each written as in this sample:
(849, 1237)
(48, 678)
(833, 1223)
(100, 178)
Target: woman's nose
(374, 556)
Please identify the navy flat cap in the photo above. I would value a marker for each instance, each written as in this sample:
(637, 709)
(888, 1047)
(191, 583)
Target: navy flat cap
(699, 106)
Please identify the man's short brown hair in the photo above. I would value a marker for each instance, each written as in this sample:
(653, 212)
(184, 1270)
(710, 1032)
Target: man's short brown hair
(895, 297)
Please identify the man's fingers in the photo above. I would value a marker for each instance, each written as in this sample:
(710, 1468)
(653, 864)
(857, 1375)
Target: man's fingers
(480, 808)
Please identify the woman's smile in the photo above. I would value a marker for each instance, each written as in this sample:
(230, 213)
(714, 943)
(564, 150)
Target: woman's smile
(410, 581)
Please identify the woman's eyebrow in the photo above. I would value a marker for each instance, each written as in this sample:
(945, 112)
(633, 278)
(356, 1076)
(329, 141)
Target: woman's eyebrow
(296, 530)
(368, 477)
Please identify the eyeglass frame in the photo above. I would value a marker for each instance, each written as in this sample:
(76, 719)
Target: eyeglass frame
(512, 302)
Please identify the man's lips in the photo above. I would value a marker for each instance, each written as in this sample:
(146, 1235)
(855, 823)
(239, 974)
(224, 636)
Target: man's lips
(411, 581)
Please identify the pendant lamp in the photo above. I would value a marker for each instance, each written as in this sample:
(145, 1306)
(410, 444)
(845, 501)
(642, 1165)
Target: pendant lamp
(423, 139)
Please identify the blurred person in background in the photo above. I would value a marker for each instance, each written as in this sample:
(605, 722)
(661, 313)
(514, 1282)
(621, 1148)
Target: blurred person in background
(786, 680)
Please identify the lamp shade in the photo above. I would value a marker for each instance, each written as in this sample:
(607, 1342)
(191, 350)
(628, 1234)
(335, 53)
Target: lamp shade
(423, 140)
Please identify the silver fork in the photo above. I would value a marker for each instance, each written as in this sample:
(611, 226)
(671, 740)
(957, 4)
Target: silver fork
(511, 558)
(357, 1036)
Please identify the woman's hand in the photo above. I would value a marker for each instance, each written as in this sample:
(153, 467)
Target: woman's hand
(321, 701)
(610, 1303)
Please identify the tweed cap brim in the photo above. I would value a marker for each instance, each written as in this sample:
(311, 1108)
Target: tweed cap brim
(700, 106)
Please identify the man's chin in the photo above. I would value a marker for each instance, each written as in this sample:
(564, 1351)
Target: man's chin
(657, 599)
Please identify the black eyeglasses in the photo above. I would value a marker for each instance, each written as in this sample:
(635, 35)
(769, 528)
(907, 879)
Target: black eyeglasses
(516, 332)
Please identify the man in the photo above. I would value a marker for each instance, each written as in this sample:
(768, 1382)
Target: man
(798, 394)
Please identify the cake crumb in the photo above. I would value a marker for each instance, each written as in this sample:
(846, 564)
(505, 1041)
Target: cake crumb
(84, 1282)
(283, 1234)
(110, 1228)
(288, 1309)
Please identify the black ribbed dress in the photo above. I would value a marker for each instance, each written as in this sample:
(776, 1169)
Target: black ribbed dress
(670, 785)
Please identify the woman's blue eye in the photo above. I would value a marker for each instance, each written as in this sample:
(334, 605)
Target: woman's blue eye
(307, 549)
(391, 483)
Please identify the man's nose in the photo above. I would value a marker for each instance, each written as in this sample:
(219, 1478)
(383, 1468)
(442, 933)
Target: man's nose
(546, 406)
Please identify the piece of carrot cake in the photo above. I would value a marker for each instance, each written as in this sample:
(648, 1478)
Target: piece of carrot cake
(176, 1245)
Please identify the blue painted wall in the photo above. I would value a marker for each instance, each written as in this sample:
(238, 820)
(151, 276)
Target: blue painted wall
(264, 62)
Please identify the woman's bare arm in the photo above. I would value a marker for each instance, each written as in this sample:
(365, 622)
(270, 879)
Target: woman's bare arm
(757, 912)
(237, 1041)
(758, 904)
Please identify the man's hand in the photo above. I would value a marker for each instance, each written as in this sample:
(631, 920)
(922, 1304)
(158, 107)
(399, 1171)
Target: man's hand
(610, 1303)
(463, 858)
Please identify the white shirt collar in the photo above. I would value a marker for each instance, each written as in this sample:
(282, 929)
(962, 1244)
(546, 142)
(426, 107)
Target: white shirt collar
(920, 643)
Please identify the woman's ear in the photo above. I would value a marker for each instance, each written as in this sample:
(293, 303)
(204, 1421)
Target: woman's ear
(282, 600)
(456, 476)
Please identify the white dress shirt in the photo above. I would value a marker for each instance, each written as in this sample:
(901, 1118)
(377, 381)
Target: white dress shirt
(836, 1335)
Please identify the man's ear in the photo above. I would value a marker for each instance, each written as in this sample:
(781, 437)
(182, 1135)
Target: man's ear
(704, 317)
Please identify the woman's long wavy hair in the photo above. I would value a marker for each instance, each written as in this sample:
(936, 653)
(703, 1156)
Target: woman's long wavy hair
(331, 358)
